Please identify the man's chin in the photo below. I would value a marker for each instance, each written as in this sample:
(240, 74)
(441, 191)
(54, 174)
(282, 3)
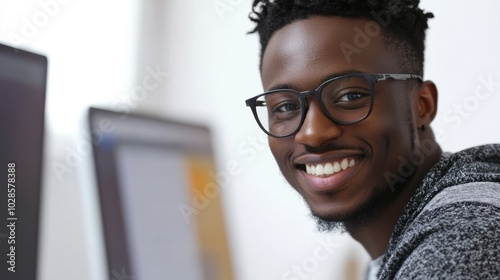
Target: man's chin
(325, 225)
(349, 222)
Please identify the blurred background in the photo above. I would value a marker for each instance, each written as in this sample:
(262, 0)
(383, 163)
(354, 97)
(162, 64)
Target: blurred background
(100, 52)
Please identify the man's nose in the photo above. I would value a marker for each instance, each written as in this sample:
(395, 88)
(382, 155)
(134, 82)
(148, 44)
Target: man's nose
(317, 128)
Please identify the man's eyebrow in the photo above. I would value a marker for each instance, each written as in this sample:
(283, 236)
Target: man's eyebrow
(282, 86)
(326, 78)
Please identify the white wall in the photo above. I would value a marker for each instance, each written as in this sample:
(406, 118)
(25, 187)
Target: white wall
(462, 51)
(100, 50)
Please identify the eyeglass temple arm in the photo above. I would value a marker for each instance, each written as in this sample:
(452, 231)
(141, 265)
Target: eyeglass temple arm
(260, 103)
(256, 102)
(402, 77)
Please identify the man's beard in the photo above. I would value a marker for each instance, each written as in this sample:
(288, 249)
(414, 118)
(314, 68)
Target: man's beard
(354, 221)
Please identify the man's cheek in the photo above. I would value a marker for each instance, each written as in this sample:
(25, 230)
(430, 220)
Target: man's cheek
(278, 149)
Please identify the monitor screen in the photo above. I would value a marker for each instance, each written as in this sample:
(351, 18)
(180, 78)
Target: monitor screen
(22, 103)
(159, 221)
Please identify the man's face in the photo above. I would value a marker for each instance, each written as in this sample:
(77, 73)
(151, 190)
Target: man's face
(302, 55)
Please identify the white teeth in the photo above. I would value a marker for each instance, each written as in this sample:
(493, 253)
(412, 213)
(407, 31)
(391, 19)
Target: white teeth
(344, 164)
(336, 167)
(320, 170)
(329, 168)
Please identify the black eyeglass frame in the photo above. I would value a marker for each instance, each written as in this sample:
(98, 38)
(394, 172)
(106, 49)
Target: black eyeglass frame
(371, 78)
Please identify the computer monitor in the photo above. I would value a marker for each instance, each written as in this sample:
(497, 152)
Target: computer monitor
(161, 207)
(22, 104)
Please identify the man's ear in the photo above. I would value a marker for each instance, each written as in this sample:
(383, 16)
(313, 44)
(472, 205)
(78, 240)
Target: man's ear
(427, 100)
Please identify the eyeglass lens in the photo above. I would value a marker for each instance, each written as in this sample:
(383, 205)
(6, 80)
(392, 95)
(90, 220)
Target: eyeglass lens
(345, 100)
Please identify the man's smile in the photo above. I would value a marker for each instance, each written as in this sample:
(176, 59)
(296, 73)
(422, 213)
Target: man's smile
(329, 171)
(330, 168)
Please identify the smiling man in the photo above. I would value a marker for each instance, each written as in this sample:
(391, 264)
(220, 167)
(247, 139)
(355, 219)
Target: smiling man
(348, 115)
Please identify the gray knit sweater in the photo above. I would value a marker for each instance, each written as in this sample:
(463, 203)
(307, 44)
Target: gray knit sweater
(450, 228)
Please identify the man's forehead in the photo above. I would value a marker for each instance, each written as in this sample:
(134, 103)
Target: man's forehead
(327, 45)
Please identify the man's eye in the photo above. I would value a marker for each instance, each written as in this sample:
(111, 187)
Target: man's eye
(352, 96)
(286, 108)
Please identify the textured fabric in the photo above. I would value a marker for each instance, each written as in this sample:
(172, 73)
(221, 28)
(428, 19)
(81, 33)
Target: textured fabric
(450, 229)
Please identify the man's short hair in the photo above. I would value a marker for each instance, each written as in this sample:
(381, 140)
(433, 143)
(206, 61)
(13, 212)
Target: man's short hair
(402, 22)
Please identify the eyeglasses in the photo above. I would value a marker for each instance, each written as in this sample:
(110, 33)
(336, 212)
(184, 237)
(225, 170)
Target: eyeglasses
(345, 99)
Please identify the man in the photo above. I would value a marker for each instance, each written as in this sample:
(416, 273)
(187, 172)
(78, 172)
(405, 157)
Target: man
(347, 112)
